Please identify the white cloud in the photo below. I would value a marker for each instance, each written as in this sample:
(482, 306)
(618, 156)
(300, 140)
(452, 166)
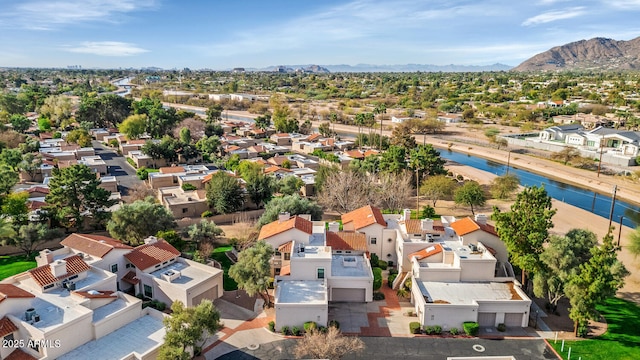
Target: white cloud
(48, 15)
(624, 4)
(555, 15)
(106, 48)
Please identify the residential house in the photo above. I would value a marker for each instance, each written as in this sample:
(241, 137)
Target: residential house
(449, 118)
(183, 203)
(370, 221)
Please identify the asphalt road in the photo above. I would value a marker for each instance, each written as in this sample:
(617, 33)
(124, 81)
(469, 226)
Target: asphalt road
(117, 166)
(413, 348)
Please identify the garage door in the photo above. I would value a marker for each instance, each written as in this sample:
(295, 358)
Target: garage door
(513, 319)
(487, 319)
(348, 295)
(210, 294)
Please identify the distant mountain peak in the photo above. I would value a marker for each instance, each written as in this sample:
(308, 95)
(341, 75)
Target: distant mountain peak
(594, 54)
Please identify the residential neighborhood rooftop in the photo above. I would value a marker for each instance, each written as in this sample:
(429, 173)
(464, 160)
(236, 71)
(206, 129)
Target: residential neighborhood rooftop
(465, 293)
(351, 266)
(301, 292)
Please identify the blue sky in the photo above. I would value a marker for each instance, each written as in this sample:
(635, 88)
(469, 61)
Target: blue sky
(259, 33)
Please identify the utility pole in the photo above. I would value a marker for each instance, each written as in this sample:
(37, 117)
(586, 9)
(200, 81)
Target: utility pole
(620, 231)
(508, 162)
(613, 203)
(417, 194)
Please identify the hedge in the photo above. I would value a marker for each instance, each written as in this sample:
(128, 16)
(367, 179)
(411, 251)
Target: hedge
(377, 278)
(471, 328)
(309, 325)
(414, 327)
(390, 279)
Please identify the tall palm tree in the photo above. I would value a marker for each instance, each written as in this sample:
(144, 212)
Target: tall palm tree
(360, 120)
(379, 110)
(333, 118)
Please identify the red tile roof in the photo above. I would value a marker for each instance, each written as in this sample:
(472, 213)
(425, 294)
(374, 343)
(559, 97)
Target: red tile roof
(363, 217)
(148, 255)
(131, 278)
(278, 227)
(7, 327)
(286, 247)
(18, 354)
(371, 152)
(313, 137)
(347, 240)
(44, 276)
(273, 169)
(9, 291)
(468, 225)
(40, 189)
(35, 205)
(285, 270)
(94, 245)
(356, 154)
(426, 252)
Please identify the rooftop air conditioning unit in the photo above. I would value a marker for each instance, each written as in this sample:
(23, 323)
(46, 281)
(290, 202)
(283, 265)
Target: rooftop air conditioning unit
(29, 314)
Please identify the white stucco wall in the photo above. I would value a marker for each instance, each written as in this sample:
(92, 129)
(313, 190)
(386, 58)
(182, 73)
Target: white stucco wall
(119, 318)
(477, 269)
(298, 236)
(306, 268)
(343, 282)
(297, 314)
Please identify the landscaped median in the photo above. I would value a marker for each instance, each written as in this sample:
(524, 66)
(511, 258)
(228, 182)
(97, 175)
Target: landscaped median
(621, 340)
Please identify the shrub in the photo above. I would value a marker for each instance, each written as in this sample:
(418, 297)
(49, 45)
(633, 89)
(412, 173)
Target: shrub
(377, 278)
(378, 296)
(374, 260)
(159, 305)
(131, 162)
(407, 284)
(414, 327)
(113, 143)
(296, 331)
(471, 328)
(284, 330)
(428, 212)
(437, 329)
(454, 331)
(142, 173)
(272, 326)
(270, 283)
(206, 214)
(402, 293)
(392, 270)
(309, 325)
(334, 323)
(502, 327)
(323, 329)
(390, 263)
(188, 187)
(429, 330)
(382, 264)
(391, 279)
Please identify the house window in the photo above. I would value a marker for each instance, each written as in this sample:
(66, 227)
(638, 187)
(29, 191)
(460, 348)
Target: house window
(148, 291)
(338, 251)
(114, 268)
(320, 273)
(49, 286)
(127, 265)
(184, 210)
(72, 277)
(374, 241)
(287, 256)
(34, 345)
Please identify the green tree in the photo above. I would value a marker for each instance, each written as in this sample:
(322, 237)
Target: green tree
(253, 270)
(470, 194)
(224, 193)
(14, 207)
(44, 124)
(30, 164)
(401, 136)
(20, 123)
(74, 191)
(11, 157)
(208, 145)
(437, 187)
(426, 160)
(380, 109)
(134, 222)
(187, 328)
(6, 230)
(393, 160)
(293, 204)
(525, 228)
(260, 188)
(185, 135)
(503, 186)
(133, 126)
(634, 242)
(325, 129)
(81, 137)
(232, 163)
(8, 178)
(204, 231)
(263, 122)
(30, 236)
(596, 280)
(561, 260)
(214, 113)
(290, 185)
(247, 169)
(105, 111)
(12, 104)
(58, 108)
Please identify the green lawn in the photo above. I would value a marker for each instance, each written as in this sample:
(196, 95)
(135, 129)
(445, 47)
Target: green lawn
(11, 265)
(620, 342)
(219, 255)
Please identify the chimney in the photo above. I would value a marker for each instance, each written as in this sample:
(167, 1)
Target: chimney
(406, 214)
(45, 258)
(151, 240)
(283, 216)
(334, 226)
(426, 224)
(58, 268)
(481, 219)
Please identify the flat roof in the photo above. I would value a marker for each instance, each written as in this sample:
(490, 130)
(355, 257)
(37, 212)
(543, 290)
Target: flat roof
(350, 265)
(189, 275)
(464, 293)
(301, 292)
(104, 311)
(54, 308)
(138, 336)
(313, 252)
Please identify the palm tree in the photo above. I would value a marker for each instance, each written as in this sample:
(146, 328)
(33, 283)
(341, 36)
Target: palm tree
(333, 118)
(360, 120)
(379, 110)
(370, 120)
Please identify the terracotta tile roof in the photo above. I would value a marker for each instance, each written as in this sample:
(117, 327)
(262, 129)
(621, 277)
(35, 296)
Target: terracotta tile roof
(9, 291)
(277, 160)
(347, 240)
(371, 152)
(414, 226)
(35, 205)
(313, 137)
(18, 354)
(137, 142)
(40, 189)
(286, 247)
(233, 148)
(96, 295)
(278, 227)
(94, 245)
(356, 154)
(131, 278)
(285, 270)
(44, 276)
(7, 327)
(282, 135)
(364, 216)
(171, 169)
(468, 225)
(426, 252)
(272, 169)
(148, 255)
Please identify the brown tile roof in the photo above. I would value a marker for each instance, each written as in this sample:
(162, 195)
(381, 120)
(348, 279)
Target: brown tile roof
(148, 255)
(426, 252)
(347, 240)
(94, 245)
(278, 227)
(44, 276)
(40, 189)
(35, 205)
(313, 137)
(356, 154)
(99, 295)
(171, 169)
(131, 278)
(371, 152)
(272, 169)
(277, 160)
(18, 354)
(468, 225)
(8, 291)
(282, 135)
(137, 142)
(364, 216)
(285, 270)
(7, 327)
(286, 247)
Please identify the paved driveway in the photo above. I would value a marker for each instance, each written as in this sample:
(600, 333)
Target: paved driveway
(117, 166)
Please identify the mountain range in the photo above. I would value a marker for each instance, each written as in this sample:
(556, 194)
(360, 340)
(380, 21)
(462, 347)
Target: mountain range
(594, 54)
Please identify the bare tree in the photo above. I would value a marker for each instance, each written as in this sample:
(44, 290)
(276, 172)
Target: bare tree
(346, 191)
(195, 126)
(139, 192)
(330, 345)
(393, 191)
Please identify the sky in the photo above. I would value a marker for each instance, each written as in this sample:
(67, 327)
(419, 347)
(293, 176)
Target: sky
(221, 35)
